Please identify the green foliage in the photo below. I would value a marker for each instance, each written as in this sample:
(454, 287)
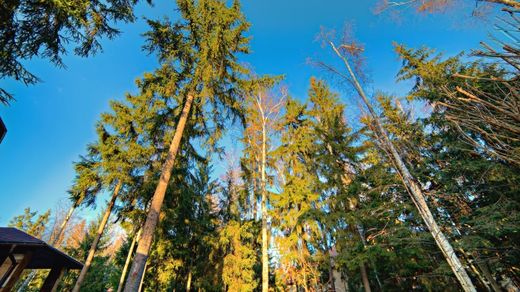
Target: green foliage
(43, 29)
(28, 223)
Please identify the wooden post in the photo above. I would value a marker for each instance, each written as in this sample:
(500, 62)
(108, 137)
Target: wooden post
(17, 272)
(52, 280)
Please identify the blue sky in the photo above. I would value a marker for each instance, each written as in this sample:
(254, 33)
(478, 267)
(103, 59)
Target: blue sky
(51, 122)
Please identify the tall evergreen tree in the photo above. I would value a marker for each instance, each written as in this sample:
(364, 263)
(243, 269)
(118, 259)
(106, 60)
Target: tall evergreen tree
(346, 52)
(199, 53)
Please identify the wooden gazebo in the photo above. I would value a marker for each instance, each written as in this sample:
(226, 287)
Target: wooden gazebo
(19, 251)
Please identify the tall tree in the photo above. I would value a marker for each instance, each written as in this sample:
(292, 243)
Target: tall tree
(346, 52)
(262, 112)
(199, 53)
(298, 197)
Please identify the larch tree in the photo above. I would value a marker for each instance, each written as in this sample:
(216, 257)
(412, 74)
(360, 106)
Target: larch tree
(199, 52)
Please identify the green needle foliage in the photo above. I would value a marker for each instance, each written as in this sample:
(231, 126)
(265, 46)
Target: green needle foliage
(44, 29)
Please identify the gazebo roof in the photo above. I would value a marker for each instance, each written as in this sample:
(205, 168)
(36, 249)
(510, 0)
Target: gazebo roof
(44, 256)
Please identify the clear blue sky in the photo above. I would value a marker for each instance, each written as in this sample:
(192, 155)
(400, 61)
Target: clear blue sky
(51, 122)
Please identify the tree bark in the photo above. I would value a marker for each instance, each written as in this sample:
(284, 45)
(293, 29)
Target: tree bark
(364, 277)
(265, 257)
(127, 262)
(412, 187)
(143, 248)
(338, 284)
(188, 284)
(511, 3)
(95, 243)
(57, 238)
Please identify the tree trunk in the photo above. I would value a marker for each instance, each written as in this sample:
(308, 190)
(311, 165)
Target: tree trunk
(57, 238)
(94, 245)
(141, 282)
(143, 248)
(364, 277)
(127, 262)
(511, 3)
(485, 270)
(339, 283)
(412, 187)
(188, 284)
(361, 232)
(265, 257)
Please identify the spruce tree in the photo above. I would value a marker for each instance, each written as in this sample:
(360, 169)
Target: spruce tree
(199, 54)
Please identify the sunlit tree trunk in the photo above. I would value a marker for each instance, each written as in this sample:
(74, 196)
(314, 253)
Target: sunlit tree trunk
(143, 248)
(188, 284)
(511, 3)
(59, 234)
(411, 186)
(265, 257)
(127, 262)
(95, 243)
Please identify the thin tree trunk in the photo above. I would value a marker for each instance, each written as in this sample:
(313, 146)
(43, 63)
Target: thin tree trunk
(143, 248)
(188, 284)
(265, 257)
(364, 277)
(361, 232)
(127, 262)
(58, 237)
(141, 282)
(412, 187)
(511, 3)
(95, 243)
(485, 270)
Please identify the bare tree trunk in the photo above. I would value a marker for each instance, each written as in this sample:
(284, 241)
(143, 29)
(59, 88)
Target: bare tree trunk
(143, 248)
(412, 187)
(265, 257)
(95, 243)
(127, 262)
(511, 3)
